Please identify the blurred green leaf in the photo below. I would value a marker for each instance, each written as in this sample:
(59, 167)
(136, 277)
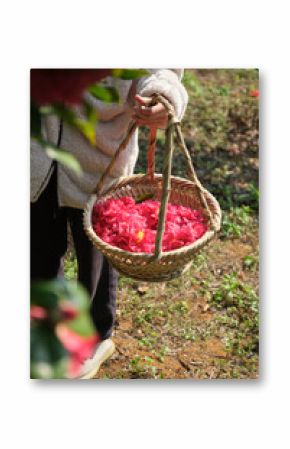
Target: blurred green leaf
(43, 294)
(64, 158)
(60, 110)
(91, 113)
(86, 127)
(129, 74)
(82, 325)
(104, 93)
(48, 293)
(48, 356)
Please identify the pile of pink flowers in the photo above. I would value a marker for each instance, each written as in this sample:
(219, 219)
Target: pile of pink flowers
(132, 226)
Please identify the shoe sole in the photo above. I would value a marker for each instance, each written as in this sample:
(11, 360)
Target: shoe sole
(107, 353)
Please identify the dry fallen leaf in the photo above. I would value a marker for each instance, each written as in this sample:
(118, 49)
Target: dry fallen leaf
(142, 289)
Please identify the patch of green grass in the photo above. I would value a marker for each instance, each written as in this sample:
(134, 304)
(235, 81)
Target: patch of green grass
(125, 282)
(148, 314)
(239, 305)
(147, 341)
(251, 196)
(199, 262)
(236, 221)
(251, 262)
(143, 367)
(220, 106)
(161, 353)
(70, 266)
(180, 307)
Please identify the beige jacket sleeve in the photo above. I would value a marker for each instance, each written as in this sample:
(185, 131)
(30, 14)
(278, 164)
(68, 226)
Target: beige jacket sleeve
(166, 82)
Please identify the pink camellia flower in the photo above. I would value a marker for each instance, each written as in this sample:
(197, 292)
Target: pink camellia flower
(38, 313)
(66, 86)
(132, 226)
(79, 347)
(254, 93)
(68, 311)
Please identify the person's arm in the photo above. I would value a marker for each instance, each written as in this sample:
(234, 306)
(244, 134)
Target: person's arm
(166, 82)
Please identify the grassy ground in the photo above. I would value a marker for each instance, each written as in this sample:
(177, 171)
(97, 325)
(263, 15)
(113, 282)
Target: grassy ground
(205, 324)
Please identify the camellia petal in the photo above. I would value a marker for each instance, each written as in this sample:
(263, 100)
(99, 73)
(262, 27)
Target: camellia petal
(132, 226)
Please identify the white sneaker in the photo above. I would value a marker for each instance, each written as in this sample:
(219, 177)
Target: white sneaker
(103, 352)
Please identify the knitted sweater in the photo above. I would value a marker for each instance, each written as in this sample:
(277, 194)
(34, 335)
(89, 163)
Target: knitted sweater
(113, 121)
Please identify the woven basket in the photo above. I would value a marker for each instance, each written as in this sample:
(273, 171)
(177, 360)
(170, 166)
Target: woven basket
(160, 266)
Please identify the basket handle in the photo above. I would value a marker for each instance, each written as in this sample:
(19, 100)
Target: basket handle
(151, 152)
(132, 128)
(193, 176)
(173, 127)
